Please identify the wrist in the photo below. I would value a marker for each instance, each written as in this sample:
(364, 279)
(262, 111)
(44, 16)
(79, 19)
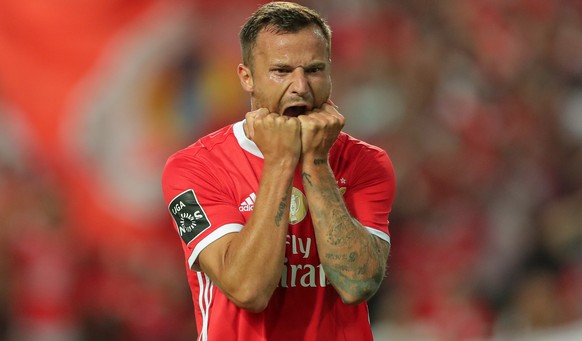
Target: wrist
(313, 159)
(282, 163)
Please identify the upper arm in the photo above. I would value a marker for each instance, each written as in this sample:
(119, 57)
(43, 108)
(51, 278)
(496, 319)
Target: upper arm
(370, 197)
(202, 211)
(212, 259)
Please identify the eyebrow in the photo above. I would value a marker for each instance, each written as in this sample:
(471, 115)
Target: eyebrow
(308, 66)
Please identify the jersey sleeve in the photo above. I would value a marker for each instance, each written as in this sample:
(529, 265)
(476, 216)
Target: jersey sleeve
(199, 203)
(370, 197)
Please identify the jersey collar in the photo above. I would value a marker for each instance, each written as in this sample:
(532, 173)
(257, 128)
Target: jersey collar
(244, 141)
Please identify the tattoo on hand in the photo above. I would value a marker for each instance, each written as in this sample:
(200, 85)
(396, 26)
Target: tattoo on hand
(319, 161)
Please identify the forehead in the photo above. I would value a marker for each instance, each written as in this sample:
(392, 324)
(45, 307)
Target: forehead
(302, 47)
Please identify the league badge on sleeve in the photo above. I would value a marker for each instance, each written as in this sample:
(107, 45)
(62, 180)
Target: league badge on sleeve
(189, 216)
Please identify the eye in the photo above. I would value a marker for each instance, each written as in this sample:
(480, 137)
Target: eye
(280, 71)
(315, 69)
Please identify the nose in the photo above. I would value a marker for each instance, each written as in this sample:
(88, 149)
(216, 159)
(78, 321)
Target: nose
(299, 84)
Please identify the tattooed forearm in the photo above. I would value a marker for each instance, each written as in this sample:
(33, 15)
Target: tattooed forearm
(307, 178)
(329, 192)
(351, 286)
(340, 232)
(353, 259)
(352, 271)
(281, 208)
(319, 161)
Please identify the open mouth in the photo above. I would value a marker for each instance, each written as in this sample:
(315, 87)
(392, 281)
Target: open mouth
(295, 110)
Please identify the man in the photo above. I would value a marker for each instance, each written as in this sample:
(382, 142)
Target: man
(258, 269)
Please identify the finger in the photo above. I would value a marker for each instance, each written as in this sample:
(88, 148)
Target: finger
(250, 124)
(262, 112)
(251, 119)
(305, 119)
(330, 108)
(330, 102)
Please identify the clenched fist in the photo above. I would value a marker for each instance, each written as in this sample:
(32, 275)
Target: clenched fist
(319, 130)
(276, 136)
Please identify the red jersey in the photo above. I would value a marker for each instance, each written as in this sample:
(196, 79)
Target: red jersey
(211, 187)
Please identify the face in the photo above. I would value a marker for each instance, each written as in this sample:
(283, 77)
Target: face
(290, 73)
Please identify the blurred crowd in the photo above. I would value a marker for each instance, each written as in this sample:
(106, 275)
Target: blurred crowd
(477, 102)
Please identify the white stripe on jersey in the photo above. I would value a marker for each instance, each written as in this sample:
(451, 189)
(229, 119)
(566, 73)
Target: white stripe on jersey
(204, 301)
(208, 300)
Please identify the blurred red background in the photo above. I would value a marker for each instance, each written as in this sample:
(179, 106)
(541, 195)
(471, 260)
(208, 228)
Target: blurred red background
(479, 104)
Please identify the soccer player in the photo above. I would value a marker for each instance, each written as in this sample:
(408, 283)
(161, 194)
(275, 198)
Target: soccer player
(283, 217)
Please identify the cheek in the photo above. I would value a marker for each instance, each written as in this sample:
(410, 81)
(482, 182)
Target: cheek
(276, 79)
(322, 91)
(267, 97)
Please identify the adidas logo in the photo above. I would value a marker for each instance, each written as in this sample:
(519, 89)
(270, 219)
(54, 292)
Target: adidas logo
(248, 204)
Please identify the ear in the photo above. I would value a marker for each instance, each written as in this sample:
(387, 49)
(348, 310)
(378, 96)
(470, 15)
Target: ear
(246, 78)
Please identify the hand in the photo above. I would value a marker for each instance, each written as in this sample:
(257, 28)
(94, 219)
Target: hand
(275, 135)
(319, 130)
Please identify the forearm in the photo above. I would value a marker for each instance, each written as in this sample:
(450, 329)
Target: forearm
(353, 259)
(253, 261)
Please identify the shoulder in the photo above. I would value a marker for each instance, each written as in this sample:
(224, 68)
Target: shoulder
(356, 148)
(195, 158)
(364, 160)
(203, 146)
